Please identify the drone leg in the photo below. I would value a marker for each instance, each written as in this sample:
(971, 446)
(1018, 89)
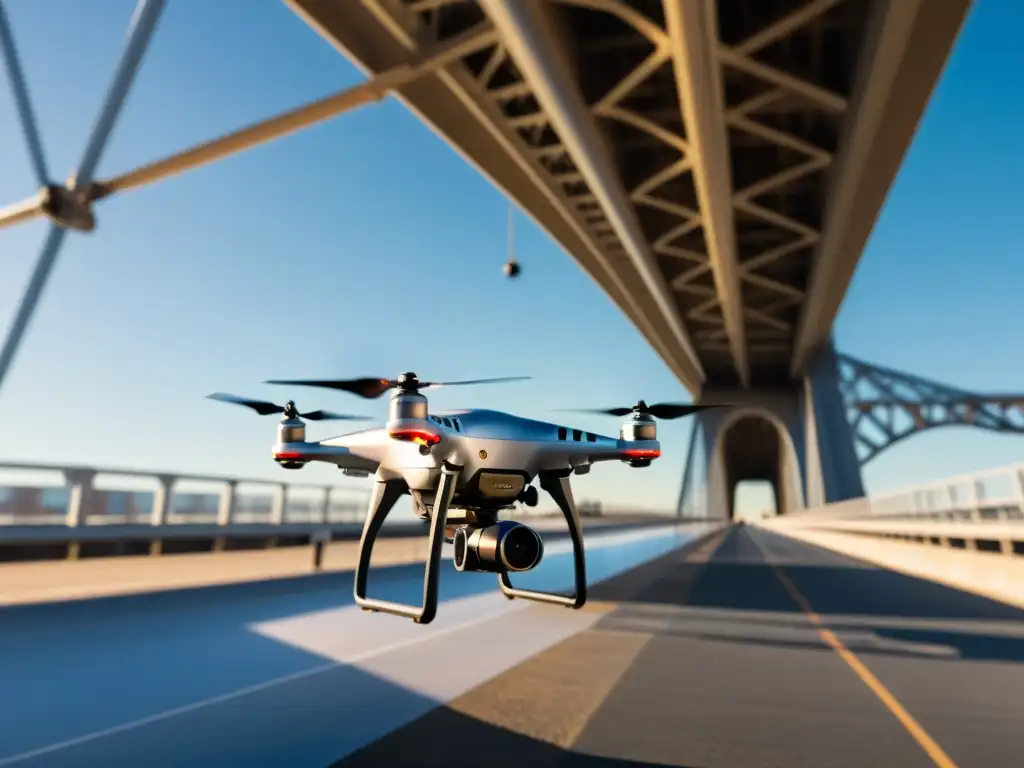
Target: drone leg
(557, 486)
(385, 494)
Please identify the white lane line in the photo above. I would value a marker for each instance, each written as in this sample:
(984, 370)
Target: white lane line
(424, 635)
(346, 634)
(241, 692)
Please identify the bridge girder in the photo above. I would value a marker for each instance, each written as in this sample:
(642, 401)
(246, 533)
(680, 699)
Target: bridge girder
(741, 139)
(681, 151)
(886, 406)
(847, 413)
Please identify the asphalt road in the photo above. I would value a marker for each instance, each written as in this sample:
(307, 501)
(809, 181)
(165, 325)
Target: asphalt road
(748, 650)
(284, 673)
(760, 651)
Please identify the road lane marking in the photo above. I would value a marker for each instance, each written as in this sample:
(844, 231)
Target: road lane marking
(236, 694)
(916, 731)
(603, 540)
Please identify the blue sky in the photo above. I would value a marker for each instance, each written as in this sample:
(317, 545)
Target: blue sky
(366, 246)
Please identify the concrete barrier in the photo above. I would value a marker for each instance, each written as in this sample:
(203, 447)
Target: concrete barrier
(988, 574)
(50, 581)
(56, 580)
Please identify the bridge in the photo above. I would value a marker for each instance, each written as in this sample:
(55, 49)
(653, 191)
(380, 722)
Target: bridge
(717, 168)
(884, 630)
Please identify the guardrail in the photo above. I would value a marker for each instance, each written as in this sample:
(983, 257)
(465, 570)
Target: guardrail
(992, 494)
(80, 511)
(983, 511)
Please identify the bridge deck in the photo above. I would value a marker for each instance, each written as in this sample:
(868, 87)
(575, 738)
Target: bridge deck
(716, 167)
(686, 658)
(58, 580)
(710, 661)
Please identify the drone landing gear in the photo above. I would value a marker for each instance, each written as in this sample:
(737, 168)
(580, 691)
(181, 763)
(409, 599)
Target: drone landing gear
(385, 494)
(557, 486)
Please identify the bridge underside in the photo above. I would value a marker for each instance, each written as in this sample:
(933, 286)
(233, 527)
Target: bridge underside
(716, 166)
(774, 435)
(811, 441)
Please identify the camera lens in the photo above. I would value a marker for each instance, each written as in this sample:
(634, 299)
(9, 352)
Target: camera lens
(520, 549)
(459, 542)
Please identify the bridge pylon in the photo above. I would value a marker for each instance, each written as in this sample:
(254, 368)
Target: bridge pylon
(811, 439)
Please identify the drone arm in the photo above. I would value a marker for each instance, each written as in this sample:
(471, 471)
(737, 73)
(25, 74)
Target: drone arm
(627, 450)
(557, 486)
(339, 455)
(560, 453)
(385, 494)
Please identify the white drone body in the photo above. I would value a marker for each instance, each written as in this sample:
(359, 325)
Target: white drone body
(462, 469)
(498, 454)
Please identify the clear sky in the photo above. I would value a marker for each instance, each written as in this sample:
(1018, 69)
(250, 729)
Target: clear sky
(367, 247)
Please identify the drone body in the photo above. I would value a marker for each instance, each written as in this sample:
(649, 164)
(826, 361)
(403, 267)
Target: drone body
(462, 469)
(499, 455)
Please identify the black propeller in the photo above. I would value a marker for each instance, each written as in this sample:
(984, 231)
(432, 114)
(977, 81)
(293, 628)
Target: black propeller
(658, 410)
(373, 387)
(264, 408)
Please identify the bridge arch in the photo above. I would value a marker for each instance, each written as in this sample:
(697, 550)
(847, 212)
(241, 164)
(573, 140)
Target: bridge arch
(752, 443)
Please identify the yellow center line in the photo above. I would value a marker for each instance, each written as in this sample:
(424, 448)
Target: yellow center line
(919, 734)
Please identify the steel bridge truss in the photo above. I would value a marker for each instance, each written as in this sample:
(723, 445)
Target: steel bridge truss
(69, 205)
(741, 107)
(886, 406)
(727, 267)
(726, 178)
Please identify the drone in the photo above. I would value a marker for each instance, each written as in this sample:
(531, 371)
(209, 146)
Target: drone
(463, 469)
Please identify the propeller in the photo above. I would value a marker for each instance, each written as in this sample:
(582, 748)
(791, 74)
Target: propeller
(658, 410)
(265, 408)
(371, 388)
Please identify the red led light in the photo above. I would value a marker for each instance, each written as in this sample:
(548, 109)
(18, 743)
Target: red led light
(642, 453)
(421, 436)
(288, 455)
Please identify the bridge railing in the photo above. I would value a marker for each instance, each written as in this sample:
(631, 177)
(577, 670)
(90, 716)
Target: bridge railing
(982, 511)
(50, 511)
(80, 496)
(989, 495)
(53, 511)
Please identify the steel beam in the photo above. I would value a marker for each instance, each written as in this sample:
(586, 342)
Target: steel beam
(692, 27)
(140, 32)
(528, 30)
(908, 44)
(375, 89)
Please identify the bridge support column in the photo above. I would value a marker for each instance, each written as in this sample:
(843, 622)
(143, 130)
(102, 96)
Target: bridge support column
(685, 507)
(760, 438)
(797, 438)
(832, 471)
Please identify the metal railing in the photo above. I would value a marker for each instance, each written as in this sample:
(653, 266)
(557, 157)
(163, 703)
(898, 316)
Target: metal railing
(982, 511)
(82, 511)
(992, 494)
(165, 499)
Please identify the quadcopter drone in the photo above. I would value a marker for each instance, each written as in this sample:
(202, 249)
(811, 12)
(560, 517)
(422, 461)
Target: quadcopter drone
(462, 469)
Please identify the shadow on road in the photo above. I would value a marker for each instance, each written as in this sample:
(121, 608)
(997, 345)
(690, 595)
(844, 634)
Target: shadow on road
(737, 598)
(448, 739)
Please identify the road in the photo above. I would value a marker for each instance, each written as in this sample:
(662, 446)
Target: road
(267, 674)
(750, 649)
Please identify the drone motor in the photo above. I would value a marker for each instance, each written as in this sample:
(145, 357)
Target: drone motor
(291, 429)
(407, 402)
(500, 548)
(641, 426)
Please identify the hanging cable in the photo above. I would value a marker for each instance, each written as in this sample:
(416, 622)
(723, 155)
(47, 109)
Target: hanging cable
(511, 268)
